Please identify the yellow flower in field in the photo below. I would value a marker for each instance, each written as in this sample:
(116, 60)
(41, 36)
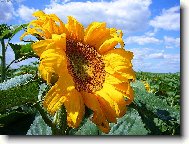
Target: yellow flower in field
(147, 86)
(91, 71)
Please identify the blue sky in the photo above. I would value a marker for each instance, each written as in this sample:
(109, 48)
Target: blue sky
(151, 27)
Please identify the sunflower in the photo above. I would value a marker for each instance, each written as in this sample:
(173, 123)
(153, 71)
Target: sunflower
(88, 69)
(147, 86)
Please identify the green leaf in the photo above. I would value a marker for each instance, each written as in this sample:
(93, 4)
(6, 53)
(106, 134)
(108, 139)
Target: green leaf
(18, 28)
(18, 91)
(7, 32)
(16, 81)
(4, 31)
(87, 128)
(130, 124)
(39, 127)
(22, 51)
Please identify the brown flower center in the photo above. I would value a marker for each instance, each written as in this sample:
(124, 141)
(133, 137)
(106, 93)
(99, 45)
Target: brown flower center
(85, 65)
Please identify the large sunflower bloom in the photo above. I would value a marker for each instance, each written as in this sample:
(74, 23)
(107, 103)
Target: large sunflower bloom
(91, 71)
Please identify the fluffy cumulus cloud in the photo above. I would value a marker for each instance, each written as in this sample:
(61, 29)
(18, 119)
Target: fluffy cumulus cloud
(168, 20)
(142, 40)
(171, 42)
(141, 54)
(123, 14)
(25, 13)
(6, 11)
(154, 60)
(171, 63)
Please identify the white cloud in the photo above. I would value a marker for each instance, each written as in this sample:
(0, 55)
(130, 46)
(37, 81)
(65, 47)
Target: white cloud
(172, 58)
(168, 20)
(59, 1)
(123, 14)
(155, 60)
(142, 40)
(156, 56)
(25, 13)
(6, 11)
(171, 42)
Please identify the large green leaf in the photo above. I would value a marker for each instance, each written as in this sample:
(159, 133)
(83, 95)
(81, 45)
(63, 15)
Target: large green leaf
(22, 51)
(16, 81)
(18, 28)
(18, 91)
(87, 128)
(130, 124)
(39, 127)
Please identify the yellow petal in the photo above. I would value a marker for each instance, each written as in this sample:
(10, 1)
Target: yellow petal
(129, 94)
(96, 34)
(45, 73)
(115, 78)
(51, 26)
(59, 24)
(114, 98)
(40, 46)
(117, 59)
(57, 42)
(127, 90)
(128, 73)
(76, 29)
(75, 108)
(92, 102)
(35, 23)
(45, 25)
(109, 45)
(73, 101)
(57, 95)
(60, 41)
(54, 98)
(38, 13)
(52, 61)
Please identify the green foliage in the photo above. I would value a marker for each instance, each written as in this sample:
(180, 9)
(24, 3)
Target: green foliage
(86, 128)
(16, 81)
(18, 91)
(39, 127)
(156, 112)
(4, 31)
(22, 51)
(130, 124)
(166, 86)
(7, 32)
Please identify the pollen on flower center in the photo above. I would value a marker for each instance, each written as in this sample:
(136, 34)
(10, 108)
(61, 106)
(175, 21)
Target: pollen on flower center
(85, 65)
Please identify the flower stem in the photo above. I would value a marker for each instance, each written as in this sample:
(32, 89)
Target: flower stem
(3, 63)
(60, 120)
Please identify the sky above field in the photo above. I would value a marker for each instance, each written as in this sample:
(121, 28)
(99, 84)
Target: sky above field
(151, 27)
